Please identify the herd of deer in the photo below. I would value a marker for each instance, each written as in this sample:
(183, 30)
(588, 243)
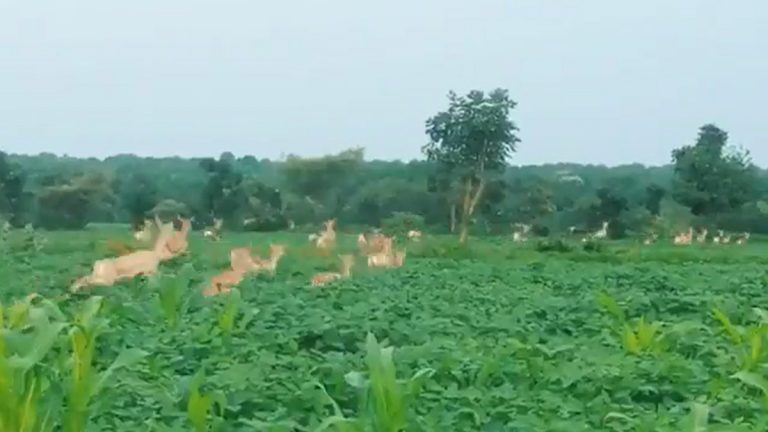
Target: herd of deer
(688, 238)
(520, 232)
(170, 243)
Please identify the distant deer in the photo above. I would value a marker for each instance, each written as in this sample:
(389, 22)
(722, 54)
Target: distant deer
(214, 232)
(145, 234)
(651, 239)
(602, 232)
(743, 239)
(519, 235)
(347, 261)
(414, 235)
(327, 239)
(684, 238)
(702, 236)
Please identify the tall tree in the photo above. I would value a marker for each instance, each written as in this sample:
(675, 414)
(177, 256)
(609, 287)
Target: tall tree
(653, 196)
(711, 178)
(221, 195)
(137, 195)
(12, 195)
(324, 182)
(472, 141)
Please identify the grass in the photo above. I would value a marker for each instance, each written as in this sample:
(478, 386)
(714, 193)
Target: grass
(487, 337)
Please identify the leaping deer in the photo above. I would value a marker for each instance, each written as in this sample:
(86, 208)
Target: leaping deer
(347, 261)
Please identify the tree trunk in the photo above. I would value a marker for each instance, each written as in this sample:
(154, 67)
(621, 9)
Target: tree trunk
(453, 218)
(471, 198)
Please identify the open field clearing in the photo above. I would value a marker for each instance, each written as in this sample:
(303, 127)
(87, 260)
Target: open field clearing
(500, 336)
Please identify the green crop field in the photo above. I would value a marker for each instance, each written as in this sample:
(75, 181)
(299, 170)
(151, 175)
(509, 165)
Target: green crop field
(489, 337)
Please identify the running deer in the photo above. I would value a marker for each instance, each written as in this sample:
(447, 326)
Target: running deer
(106, 272)
(276, 252)
(177, 242)
(347, 261)
(241, 263)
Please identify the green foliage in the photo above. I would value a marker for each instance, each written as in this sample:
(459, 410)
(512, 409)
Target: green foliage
(13, 199)
(496, 324)
(473, 138)
(709, 177)
(553, 245)
(400, 223)
(69, 205)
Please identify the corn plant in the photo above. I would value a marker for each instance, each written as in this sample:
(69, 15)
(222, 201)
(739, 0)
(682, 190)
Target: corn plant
(229, 312)
(170, 296)
(29, 332)
(637, 338)
(748, 342)
(85, 382)
(200, 406)
(384, 400)
(28, 401)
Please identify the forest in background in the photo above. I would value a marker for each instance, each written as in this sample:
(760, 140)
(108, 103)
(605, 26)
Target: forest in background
(464, 181)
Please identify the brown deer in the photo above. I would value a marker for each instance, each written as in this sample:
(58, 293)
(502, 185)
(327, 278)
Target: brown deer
(106, 272)
(177, 242)
(276, 252)
(241, 263)
(327, 239)
(347, 261)
(683, 239)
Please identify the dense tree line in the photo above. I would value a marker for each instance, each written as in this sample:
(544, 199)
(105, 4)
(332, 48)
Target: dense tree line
(464, 184)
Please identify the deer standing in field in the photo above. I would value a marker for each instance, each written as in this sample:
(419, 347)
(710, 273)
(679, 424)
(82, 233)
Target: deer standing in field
(519, 235)
(602, 233)
(327, 239)
(214, 232)
(414, 235)
(743, 239)
(726, 239)
(347, 261)
(386, 257)
(651, 239)
(684, 238)
(106, 272)
(702, 236)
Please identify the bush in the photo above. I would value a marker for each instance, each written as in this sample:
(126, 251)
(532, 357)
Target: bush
(401, 223)
(557, 245)
(593, 246)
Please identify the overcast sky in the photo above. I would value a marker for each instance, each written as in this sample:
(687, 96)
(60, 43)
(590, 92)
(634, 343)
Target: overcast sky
(596, 81)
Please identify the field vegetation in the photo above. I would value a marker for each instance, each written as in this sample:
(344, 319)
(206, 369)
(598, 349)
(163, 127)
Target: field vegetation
(488, 335)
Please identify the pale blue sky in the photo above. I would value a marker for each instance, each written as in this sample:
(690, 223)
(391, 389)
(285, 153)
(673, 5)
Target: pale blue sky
(596, 81)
